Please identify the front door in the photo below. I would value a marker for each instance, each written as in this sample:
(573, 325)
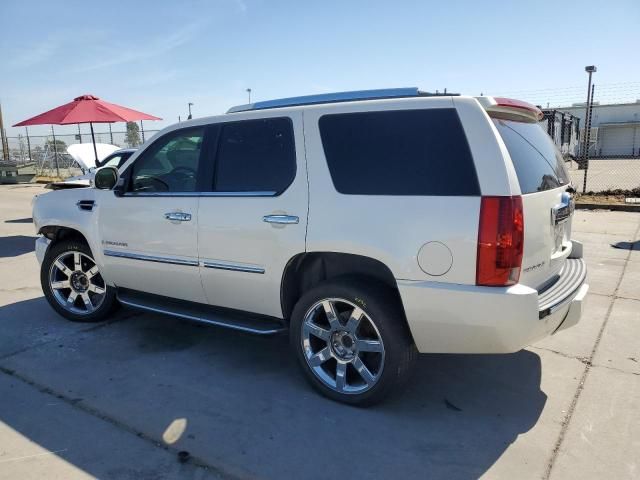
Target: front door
(253, 219)
(150, 233)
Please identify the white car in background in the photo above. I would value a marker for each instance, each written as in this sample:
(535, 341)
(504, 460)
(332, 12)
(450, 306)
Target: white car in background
(85, 158)
(371, 225)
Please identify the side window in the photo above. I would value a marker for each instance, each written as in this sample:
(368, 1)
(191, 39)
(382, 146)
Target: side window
(399, 152)
(123, 159)
(255, 156)
(170, 164)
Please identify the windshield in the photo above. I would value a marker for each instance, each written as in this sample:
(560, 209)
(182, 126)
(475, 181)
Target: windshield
(538, 163)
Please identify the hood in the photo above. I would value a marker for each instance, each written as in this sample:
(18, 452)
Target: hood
(84, 155)
(69, 183)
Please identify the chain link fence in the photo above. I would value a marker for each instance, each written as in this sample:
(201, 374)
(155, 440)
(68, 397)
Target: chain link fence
(46, 155)
(600, 140)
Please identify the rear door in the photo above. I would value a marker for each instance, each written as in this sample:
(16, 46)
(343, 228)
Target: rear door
(548, 207)
(253, 216)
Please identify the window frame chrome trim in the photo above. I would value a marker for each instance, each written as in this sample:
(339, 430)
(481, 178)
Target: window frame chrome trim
(234, 267)
(150, 258)
(201, 194)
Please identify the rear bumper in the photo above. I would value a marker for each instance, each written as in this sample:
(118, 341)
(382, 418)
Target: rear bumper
(446, 318)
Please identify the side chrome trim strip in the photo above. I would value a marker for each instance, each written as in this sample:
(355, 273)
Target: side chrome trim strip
(150, 258)
(234, 267)
(201, 194)
(198, 319)
(191, 263)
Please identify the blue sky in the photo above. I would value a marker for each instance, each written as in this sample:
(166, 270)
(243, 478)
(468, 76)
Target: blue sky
(156, 56)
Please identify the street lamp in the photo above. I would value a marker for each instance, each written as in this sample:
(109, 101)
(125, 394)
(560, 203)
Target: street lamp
(190, 116)
(249, 92)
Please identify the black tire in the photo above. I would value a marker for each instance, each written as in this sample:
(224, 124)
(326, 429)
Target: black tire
(382, 307)
(109, 301)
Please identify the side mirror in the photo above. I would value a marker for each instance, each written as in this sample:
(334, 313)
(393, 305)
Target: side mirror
(106, 178)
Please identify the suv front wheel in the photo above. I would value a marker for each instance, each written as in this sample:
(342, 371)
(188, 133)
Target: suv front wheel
(72, 282)
(352, 341)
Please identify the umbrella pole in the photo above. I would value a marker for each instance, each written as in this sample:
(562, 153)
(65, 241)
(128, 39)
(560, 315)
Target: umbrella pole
(55, 151)
(93, 139)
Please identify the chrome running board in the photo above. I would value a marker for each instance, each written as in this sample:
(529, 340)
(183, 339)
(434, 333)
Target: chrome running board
(233, 319)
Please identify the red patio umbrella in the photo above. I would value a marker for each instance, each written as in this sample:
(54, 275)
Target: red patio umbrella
(87, 109)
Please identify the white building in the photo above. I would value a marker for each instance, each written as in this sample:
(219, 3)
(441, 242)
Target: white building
(615, 128)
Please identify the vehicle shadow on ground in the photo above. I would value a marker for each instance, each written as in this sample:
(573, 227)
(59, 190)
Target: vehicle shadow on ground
(16, 245)
(627, 245)
(20, 220)
(248, 410)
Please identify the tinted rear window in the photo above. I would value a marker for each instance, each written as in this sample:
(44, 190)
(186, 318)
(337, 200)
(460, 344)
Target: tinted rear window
(539, 164)
(404, 152)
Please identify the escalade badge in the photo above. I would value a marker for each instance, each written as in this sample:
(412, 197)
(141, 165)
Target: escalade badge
(115, 244)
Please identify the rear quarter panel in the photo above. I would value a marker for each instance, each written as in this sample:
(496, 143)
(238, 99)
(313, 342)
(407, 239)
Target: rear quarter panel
(391, 229)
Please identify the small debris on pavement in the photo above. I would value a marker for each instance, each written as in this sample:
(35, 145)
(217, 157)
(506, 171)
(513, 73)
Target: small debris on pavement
(451, 406)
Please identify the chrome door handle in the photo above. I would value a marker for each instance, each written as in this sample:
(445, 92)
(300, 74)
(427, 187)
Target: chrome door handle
(281, 219)
(178, 216)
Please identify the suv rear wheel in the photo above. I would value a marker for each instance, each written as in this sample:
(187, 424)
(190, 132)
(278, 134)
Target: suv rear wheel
(72, 283)
(352, 341)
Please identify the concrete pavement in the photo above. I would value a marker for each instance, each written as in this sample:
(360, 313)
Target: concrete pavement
(120, 399)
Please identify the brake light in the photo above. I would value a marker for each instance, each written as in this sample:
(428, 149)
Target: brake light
(500, 241)
(520, 105)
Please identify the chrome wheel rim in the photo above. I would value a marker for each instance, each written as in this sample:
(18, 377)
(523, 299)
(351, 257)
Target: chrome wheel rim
(76, 283)
(342, 346)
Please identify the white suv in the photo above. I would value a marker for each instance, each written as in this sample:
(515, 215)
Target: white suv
(372, 225)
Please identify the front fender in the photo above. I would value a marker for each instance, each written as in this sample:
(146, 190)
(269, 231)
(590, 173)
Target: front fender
(59, 209)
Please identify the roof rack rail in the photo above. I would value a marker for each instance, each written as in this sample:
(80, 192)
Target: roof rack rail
(337, 97)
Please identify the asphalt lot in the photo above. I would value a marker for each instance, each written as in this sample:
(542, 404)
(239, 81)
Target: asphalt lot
(120, 399)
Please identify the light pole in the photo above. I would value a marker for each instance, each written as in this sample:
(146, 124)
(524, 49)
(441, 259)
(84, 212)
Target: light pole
(249, 93)
(190, 116)
(590, 69)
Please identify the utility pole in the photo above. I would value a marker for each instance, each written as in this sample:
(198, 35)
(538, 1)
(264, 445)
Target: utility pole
(590, 69)
(190, 116)
(3, 138)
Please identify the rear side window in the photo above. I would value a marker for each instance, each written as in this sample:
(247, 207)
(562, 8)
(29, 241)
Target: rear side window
(538, 162)
(400, 152)
(255, 156)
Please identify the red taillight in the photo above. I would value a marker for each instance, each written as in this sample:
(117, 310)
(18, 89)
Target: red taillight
(500, 241)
